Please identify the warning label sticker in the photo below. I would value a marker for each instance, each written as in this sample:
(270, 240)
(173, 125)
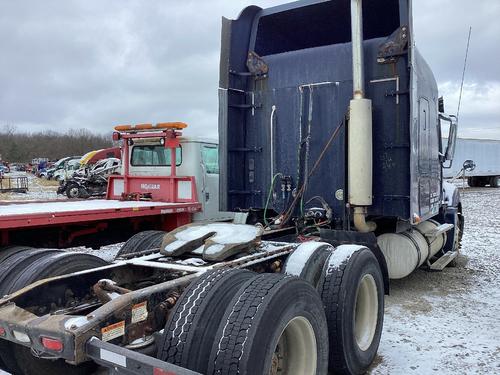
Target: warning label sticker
(113, 331)
(139, 312)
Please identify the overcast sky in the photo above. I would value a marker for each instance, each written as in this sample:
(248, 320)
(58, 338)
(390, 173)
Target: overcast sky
(93, 64)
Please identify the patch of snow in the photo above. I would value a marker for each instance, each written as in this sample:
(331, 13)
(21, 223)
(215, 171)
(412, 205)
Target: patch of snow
(448, 322)
(223, 234)
(107, 253)
(298, 259)
(272, 246)
(199, 250)
(71, 206)
(192, 262)
(213, 248)
(171, 247)
(76, 322)
(342, 254)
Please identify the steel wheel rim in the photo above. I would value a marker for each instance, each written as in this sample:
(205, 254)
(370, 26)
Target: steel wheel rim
(366, 312)
(296, 350)
(73, 192)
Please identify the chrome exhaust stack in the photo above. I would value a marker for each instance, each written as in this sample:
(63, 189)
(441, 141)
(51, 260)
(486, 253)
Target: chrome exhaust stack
(360, 145)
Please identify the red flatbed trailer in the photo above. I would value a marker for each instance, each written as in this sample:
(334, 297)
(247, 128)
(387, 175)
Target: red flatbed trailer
(99, 222)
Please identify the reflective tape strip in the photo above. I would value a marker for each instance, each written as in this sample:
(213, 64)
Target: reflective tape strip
(117, 359)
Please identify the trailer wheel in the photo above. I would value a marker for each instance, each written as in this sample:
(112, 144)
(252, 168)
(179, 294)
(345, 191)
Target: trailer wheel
(495, 182)
(274, 324)
(192, 325)
(352, 290)
(307, 261)
(146, 240)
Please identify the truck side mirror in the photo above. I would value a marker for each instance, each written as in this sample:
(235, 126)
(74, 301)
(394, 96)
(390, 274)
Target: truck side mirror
(469, 165)
(441, 105)
(452, 139)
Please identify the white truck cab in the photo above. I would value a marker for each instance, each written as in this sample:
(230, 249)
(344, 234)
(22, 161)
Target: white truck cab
(197, 157)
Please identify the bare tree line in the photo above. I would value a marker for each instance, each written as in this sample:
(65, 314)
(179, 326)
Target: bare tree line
(20, 146)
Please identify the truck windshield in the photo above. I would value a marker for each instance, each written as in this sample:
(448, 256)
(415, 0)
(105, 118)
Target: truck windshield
(154, 155)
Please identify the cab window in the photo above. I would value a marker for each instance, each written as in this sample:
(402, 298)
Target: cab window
(154, 156)
(210, 157)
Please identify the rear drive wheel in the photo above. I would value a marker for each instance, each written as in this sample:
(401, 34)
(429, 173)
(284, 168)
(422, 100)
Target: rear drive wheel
(142, 241)
(49, 263)
(352, 290)
(11, 267)
(275, 324)
(307, 261)
(55, 265)
(13, 261)
(8, 251)
(193, 323)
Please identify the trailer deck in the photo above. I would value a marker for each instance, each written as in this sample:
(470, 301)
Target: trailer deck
(48, 213)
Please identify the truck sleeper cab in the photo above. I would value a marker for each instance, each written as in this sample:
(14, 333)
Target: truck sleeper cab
(335, 126)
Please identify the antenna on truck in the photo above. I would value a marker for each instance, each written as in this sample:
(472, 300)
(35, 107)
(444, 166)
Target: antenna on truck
(463, 73)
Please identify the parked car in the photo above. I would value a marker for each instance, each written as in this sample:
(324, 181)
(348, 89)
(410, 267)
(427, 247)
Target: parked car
(65, 168)
(92, 181)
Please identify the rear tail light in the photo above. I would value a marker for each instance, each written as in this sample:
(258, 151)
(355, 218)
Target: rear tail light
(160, 371)
(54, 345)
(2, 331)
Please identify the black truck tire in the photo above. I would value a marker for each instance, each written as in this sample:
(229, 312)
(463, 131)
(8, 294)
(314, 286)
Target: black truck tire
(142, 241)
(307, 261)
(55, 265)
(495, 182)
(352, 290)
(16, 263)
(72, 190)
(192, 324)
(273, 321)
(50, 263)
(8, 251)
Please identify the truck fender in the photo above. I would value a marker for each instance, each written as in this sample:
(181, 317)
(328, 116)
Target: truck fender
(369, 240)
(451, 195)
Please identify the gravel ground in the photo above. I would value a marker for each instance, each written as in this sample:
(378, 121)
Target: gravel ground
(444, 322)
(38, 189)
(449, 322)
(435, 322)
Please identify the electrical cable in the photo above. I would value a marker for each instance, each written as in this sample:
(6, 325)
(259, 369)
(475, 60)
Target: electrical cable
(301, 191)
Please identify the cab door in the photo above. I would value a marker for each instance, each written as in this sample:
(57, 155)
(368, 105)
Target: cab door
(209, 196)
(424, 158)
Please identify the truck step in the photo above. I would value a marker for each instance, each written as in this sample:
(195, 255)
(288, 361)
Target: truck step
(442, 262)
(443, 228)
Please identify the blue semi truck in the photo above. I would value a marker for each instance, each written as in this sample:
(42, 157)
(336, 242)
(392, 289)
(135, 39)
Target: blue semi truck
(331, 156)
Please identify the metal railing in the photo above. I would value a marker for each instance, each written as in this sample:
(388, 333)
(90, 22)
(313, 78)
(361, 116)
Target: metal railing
(13, 184)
